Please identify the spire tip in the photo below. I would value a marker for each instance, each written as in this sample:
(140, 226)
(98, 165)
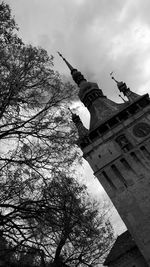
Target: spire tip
(60, 54)
(67, 63)
(113, 78)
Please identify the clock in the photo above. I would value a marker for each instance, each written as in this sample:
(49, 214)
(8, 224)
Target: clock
(141, 129)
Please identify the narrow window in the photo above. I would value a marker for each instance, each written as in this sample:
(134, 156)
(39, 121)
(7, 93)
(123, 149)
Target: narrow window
(126, 164)
(94, 135)
(145, 152)
(90, 98)
(123, 116)
(109, 180)
(136, 159)
(118, 174)
(124, 143)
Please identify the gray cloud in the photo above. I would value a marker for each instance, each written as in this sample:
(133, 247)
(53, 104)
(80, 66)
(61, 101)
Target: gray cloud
(96, 36)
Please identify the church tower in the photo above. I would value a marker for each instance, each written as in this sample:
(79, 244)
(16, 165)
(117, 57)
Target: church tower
(117, 147)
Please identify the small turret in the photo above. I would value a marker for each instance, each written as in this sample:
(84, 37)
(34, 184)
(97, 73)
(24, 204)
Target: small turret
(125, 90)
(82, 131)
(92, 97)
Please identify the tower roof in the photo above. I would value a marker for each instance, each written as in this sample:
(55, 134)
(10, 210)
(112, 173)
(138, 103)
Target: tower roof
(92, 97)
(76, 75)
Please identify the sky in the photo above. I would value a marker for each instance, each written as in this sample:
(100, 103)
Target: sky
(97, 37)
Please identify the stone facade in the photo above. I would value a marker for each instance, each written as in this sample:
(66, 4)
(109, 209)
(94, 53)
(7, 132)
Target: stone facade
(125, 253)
(117, 147)
(120, 159)
(130, 259)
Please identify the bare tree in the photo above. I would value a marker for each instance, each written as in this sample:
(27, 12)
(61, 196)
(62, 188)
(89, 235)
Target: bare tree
(73, 230)
(41, 207)
(35, 139)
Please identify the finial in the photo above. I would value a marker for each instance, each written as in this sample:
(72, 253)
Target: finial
(76, 75)
(121, 85)
(67, 63)
(111, 73)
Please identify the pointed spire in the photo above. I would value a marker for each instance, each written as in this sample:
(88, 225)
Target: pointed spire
(76, 75)
(67, 63)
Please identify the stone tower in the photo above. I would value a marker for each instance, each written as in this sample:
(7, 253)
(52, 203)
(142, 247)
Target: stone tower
(117, 148)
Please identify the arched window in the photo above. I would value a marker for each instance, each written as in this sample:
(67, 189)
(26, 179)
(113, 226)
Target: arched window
(124, 143)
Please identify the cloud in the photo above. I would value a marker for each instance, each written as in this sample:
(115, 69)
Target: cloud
(97, 37)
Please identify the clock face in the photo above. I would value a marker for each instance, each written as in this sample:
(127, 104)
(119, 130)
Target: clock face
(141, 129)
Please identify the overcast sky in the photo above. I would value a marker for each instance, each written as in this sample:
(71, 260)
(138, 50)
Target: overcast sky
(96, 36)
